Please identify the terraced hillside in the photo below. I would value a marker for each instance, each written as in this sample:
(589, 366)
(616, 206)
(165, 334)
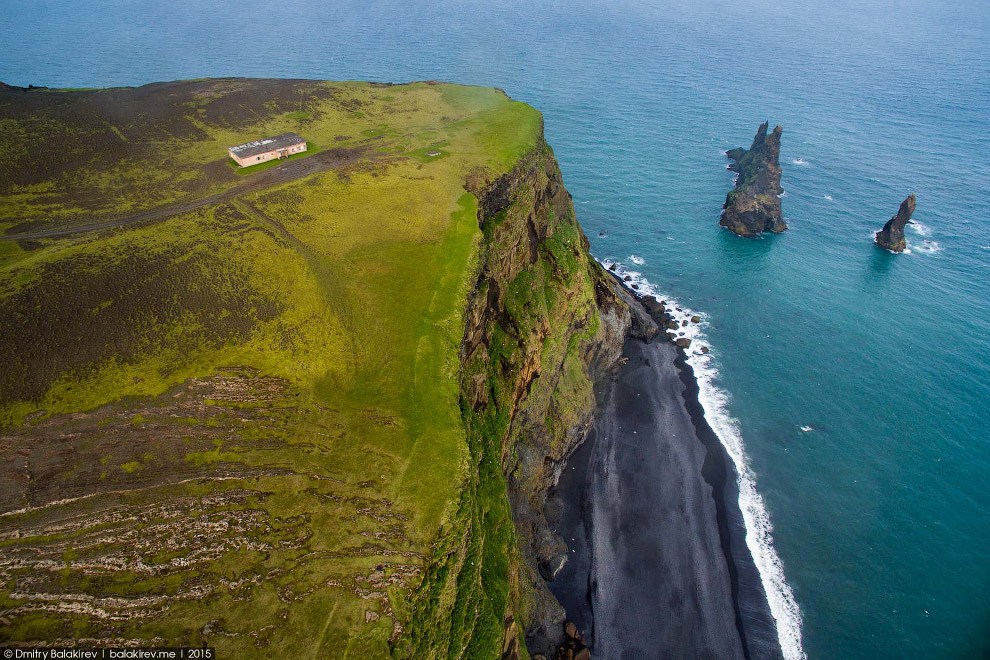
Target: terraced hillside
(228, 419)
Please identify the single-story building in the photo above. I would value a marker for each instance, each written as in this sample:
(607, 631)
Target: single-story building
(259, 151)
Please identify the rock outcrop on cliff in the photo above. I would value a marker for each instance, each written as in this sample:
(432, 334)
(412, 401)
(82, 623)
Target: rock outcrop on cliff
(891, 237)
(753, 206)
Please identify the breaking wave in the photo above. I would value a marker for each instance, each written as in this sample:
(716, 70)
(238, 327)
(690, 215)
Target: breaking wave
(925, 247)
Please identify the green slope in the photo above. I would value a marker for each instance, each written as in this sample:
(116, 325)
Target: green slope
(239, 424)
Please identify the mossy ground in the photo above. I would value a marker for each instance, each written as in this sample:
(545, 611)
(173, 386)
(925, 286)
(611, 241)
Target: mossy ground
(257, 402)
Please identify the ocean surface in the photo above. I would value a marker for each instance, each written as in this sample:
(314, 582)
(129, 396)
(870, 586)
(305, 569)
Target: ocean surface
(880, 512)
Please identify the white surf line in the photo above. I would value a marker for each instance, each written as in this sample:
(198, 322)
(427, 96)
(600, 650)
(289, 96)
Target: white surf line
(715, 402)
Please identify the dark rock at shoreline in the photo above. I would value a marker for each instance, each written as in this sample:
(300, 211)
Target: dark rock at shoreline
(891, 237)
(695, 319)
(683, 342)
(753, 206)
(573, 647)
(654, 306)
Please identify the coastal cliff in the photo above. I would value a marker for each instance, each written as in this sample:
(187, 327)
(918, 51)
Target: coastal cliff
(362, 370)
(891, 237)
(545, 322)
(753, 206)
(305, 410)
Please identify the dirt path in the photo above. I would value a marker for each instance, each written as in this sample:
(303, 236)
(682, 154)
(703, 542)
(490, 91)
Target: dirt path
(284, 173)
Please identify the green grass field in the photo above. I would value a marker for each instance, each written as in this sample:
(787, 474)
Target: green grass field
(240, 425)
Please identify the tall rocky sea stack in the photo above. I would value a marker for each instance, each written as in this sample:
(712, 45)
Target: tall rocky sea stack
(891, 237)
(753, 206)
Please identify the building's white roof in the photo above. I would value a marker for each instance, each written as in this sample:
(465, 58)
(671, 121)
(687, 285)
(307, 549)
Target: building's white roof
(268, 144)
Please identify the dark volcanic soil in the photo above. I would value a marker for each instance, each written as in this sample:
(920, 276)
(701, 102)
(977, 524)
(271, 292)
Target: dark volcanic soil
(648, 575)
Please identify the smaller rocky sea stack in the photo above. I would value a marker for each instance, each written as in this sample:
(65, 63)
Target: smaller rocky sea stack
(753, 206)
(891, 237)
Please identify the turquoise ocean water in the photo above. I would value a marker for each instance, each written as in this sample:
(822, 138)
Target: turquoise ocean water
(880, 513)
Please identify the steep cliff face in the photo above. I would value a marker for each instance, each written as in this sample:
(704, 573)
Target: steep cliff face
(545, 321)
(891, 237)
(753, 206)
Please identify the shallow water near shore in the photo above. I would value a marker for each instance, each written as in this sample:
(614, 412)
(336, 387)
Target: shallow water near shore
(879, 511)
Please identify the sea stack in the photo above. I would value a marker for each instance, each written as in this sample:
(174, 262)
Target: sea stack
(753, 206)
(891, 237)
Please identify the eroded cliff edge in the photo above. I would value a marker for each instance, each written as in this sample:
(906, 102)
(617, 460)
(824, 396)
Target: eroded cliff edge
(544, 323)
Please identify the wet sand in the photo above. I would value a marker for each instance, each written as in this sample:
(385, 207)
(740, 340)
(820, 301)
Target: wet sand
(658, 566)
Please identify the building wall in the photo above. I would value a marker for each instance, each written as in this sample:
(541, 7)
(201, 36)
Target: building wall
(269, 155)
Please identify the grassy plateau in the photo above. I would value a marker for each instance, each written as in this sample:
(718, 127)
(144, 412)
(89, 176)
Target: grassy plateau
(237, 422)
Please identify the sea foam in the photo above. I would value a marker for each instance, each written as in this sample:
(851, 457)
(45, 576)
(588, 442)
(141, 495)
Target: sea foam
(925, 247)
(715, 402)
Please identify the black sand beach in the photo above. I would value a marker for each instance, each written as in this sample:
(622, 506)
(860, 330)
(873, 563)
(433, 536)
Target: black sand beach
(658, 566)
